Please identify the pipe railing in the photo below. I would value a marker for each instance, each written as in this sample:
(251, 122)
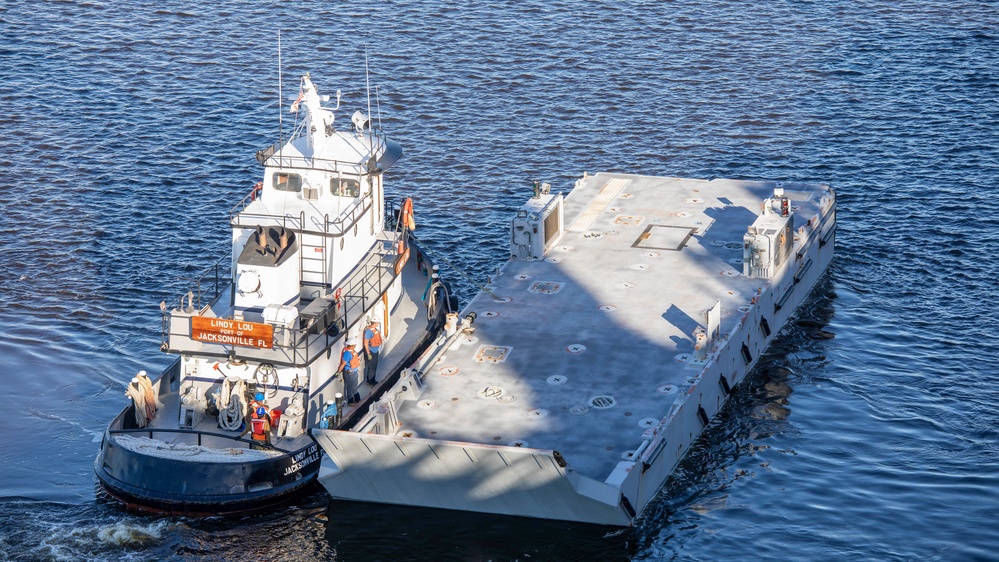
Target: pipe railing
(151, 430)
(331, 228)
(313, 335)
(208, 286)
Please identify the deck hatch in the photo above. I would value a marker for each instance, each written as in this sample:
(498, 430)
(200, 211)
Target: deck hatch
(492, 354)
(661, 237)
(545, 287)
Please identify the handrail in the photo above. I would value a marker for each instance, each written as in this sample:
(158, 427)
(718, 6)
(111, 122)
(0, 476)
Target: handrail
(301, 344)
(215, 283)
(334, 228)
(287, 221)
(359, 290)
(152, 430)
(238, 207)
(354, 214)
(309, 163)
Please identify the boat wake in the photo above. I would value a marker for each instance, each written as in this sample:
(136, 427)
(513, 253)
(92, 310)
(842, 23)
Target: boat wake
(95, 435)
(129, 534)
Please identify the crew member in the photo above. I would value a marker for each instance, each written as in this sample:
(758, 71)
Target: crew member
(258, 401)
(372, 343)
(350, 361)
(259, 426)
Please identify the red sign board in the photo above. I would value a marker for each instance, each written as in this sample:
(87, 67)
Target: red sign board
(232, 332)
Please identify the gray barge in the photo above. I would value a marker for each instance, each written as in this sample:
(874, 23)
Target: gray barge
(571, 386)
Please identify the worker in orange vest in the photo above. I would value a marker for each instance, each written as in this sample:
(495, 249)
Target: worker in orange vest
(350, 362)
(372, 343)
(258, 424)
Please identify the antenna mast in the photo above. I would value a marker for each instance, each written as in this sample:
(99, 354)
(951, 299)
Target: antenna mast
(367, 86)
(371, 143)
(280, 93)
(378, 106)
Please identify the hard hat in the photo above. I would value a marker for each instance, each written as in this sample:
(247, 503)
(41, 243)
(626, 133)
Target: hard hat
(351, 341)
(261, 411)
(259, 396)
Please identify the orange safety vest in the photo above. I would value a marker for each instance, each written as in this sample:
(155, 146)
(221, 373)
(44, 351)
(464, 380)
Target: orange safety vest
(352, 359)
(376, 338)
(260, 425)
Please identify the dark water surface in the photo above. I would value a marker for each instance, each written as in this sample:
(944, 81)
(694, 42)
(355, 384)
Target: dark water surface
(870, 430)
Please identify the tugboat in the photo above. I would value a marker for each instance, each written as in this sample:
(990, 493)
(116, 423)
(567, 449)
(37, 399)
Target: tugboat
(319, 261)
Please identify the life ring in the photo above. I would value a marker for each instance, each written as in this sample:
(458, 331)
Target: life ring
(406, 215)
(256, 190)
(337, 293)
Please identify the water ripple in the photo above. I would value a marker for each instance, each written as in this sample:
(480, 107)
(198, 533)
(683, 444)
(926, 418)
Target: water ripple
(870, 430)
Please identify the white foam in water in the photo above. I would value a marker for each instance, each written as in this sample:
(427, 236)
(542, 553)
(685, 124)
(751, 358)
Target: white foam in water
(129, 534)
(120, 186)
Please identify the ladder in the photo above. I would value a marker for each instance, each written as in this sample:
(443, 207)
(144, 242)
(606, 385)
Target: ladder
(312, 261)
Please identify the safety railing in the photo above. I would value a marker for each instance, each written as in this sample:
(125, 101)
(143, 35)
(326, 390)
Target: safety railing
(361, 289)
(325, 226)
(314, 332)
(212, 283)
(150, 432)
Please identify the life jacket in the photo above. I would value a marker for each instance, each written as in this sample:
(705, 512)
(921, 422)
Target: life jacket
(376, 337)
(352, 359)
(260, 425)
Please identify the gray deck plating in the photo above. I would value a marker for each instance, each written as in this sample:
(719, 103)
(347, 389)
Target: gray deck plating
(584, 350)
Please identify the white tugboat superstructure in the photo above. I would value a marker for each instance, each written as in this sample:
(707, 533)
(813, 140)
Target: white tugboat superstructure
(312, 264)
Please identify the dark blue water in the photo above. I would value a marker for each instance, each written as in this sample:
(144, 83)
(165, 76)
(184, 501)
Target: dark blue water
(870, 430)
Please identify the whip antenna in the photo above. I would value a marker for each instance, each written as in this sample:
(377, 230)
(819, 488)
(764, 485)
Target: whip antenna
(378, 107)
(367, 86)
(280, 116)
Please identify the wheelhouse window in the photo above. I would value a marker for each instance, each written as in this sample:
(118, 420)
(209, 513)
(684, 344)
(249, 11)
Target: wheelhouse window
(284, 181)
(345, 187)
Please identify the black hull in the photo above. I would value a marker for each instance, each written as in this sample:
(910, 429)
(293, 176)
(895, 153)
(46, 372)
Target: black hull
(198, 489)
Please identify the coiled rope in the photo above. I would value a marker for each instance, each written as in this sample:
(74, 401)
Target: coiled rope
(135, 392)
(231, 393)
(432, 301)
(140, 390)
(266, 378)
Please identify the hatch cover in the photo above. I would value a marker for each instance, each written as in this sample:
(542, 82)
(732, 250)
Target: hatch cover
(545, 287)
(492, 354)
(660, 237)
